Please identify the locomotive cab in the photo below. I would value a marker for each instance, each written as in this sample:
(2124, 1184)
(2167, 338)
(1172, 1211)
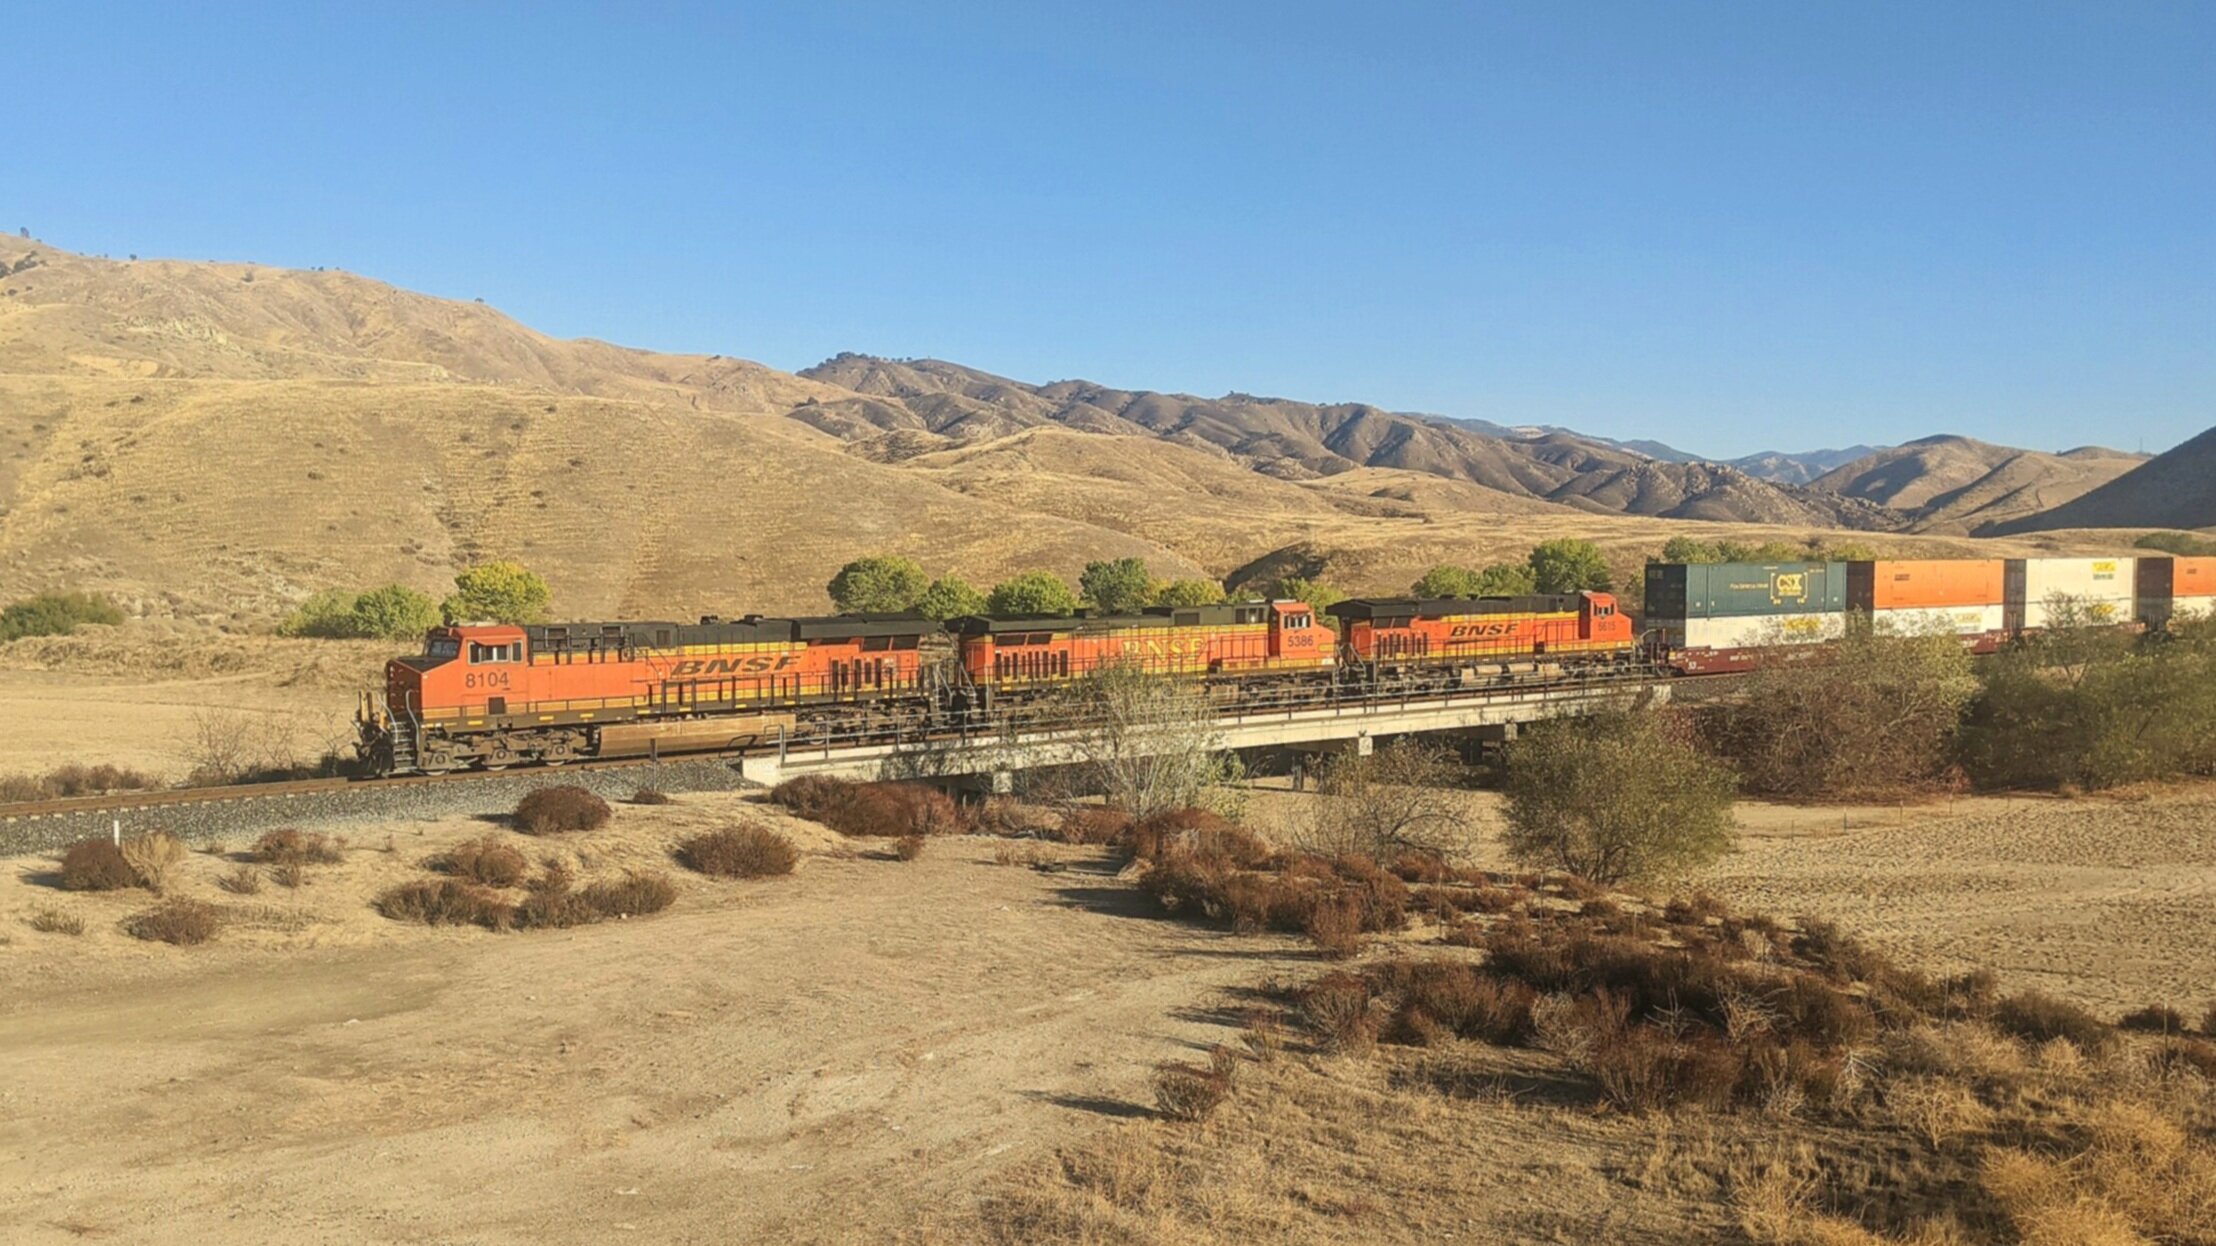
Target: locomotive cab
(1295, 634)
(471, 668)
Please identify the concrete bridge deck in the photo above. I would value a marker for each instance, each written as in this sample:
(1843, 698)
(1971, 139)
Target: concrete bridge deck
(1339, 723)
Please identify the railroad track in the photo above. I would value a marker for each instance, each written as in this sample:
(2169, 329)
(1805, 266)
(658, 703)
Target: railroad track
(172, 798)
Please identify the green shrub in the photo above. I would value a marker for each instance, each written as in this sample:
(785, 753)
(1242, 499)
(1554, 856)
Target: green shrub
(2183, 544)
(497, 592)
(1566, 565)
(2091, 707)
(55, 614)
(394, 612)
(1189, 593)
(949, 597)
(1501, 579)
(1032, 593)
(1870, 715)
(881, 584)
(1615, 797)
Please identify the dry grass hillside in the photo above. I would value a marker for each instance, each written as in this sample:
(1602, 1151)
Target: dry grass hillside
(1955, 484)
(227, 500)
(1301, 441)
(216, 441)
(2173, 490)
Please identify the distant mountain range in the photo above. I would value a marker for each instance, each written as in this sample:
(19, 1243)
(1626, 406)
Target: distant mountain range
(216, 440)
(1937, 484)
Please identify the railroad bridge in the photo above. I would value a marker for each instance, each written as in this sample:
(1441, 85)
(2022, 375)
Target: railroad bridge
(1314, 725)
(982, 761)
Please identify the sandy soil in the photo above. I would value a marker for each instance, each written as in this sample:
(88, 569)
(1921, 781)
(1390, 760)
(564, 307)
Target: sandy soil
(2110, 900)
(136, 696)
(867, 1044)
(820, 1056)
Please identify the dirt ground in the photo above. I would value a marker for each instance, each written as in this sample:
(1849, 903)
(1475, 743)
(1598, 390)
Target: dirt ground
(137, 696)
(815, 1058)
(870, 1045)
(2110, 900)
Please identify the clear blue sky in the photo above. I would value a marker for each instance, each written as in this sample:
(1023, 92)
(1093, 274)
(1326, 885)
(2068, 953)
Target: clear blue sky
(1726, 226)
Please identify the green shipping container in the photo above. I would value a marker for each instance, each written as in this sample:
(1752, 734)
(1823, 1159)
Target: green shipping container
(1733, 590)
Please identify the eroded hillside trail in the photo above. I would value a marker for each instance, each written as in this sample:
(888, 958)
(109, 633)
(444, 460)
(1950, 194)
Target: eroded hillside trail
(821, 1058)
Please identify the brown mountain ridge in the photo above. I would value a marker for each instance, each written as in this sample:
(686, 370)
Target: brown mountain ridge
(215, 441)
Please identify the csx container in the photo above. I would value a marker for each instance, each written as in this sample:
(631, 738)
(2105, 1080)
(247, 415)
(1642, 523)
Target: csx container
(1732, 609)
(2175, 588)
(1960, 597)
(2098, 590)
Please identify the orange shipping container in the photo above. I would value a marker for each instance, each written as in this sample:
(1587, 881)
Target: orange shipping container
(2193, 577)
(1913, 584)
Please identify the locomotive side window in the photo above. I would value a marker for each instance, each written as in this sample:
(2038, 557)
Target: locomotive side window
(495, 653)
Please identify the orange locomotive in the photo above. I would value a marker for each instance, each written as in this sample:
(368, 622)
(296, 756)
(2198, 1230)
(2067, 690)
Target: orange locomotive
(492, 695)
(1448, 641)
(1017, 658)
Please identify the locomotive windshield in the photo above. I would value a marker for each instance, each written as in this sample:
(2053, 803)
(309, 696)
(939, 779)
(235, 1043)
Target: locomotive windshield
(442, 649)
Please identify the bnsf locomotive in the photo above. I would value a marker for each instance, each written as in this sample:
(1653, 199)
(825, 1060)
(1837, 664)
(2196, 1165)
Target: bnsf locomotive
(491, 695)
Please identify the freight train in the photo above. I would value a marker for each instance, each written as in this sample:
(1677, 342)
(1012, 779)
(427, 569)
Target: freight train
(493, 695)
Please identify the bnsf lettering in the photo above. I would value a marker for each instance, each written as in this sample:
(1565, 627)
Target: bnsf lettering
(1480, 631)
(758, 664)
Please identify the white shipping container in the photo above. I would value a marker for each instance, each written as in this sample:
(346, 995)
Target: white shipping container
(1753, 631)
(2100, 588)
(2192, 607)
(1938, 620)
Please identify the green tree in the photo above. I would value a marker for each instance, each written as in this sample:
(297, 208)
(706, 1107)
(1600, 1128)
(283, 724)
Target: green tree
(1870, 715)
(1446, 580)
(395, 612)
(1121, 586)
(2085, 706)
(1506, 579)
(1566, 565)
(55, 614)
(1615, 797)
(499, 592)
(1688, 549)
(1032, 593)
(1188, 593)
(881, 584)
(1316, 593)
(950, 597)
